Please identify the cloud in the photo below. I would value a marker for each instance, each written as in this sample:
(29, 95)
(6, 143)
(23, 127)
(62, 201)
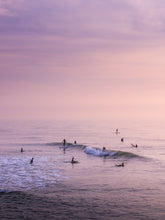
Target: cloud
(80, 19)
(121, 20)
(10, 7)
(54, 38)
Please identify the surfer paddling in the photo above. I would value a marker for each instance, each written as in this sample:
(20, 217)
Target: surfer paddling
(120, 165)
(134, 145)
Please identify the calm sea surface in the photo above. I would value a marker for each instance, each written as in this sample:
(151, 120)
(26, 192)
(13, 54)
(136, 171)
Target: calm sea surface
(94, 188)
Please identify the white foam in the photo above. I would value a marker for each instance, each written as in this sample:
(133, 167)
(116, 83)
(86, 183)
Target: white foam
(19, 174)
(96, 152)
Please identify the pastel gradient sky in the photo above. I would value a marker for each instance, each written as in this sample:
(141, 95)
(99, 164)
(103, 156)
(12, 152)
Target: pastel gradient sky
(82, 58)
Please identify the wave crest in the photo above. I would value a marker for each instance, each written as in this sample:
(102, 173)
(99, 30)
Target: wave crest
(110, 153)
(96, 151)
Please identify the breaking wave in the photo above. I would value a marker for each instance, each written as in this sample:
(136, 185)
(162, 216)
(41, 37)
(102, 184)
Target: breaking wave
(110, 153)
(95, 151)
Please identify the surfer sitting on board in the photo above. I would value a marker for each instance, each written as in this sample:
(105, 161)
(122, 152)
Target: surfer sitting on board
(73, 161)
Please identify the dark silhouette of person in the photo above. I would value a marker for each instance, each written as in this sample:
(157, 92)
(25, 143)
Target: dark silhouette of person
(21, 149)
(31, 161)
(134, 145)
(120, 165)
(104, 148)
(122, 139)
(73, 161)
(64, 142)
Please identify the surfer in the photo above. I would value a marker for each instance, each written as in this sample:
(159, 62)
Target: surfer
(75, 142)
(120, 165)
(104, 148)
(117, 131)
(31, 161)
(21, 149)
(73, 161)
(64, 142)
(134, 145)
(122, 139)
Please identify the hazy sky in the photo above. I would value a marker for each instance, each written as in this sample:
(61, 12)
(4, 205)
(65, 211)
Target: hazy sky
(82, 58)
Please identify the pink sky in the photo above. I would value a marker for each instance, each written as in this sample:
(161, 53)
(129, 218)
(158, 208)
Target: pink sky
(82, 58)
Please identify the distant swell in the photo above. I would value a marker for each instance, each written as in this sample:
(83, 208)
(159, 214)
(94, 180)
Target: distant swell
(67, 145)
(54, 143)
(125, 154)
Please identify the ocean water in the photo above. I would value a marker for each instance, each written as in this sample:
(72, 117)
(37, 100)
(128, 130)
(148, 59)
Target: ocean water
(95, 187)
